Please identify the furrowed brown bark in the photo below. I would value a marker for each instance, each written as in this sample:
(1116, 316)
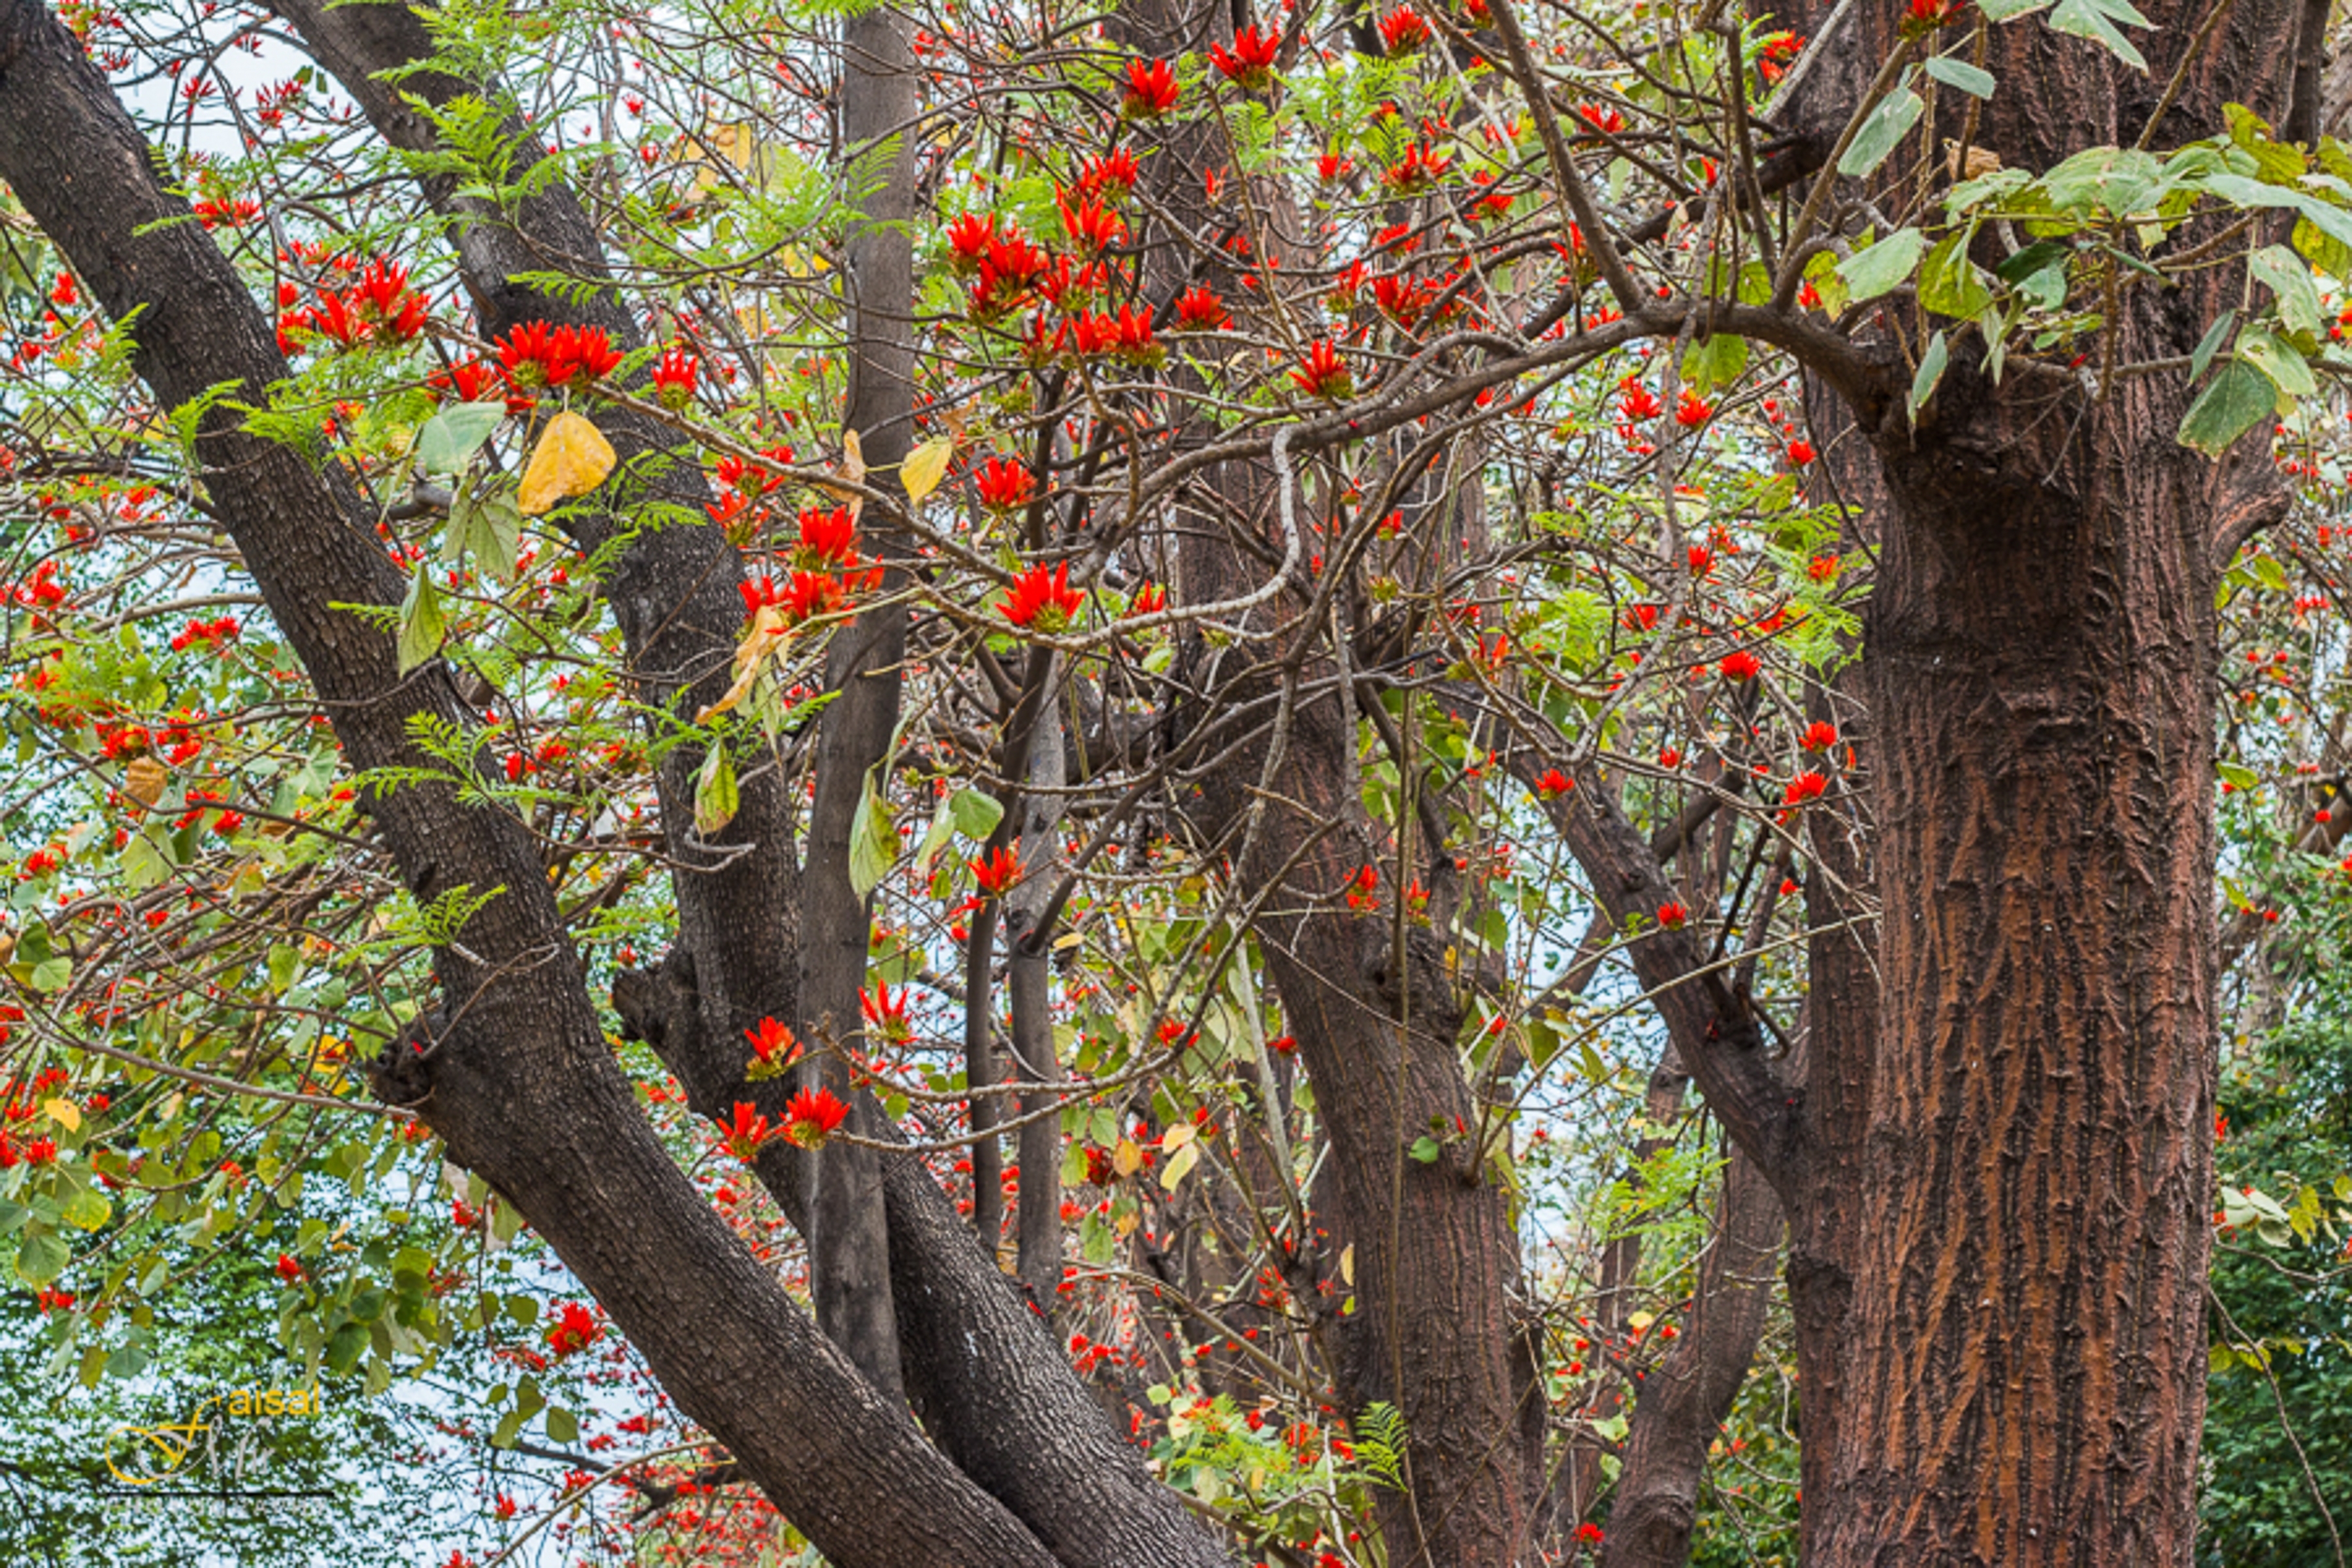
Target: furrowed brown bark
(515, 1075)
(2021, 1377)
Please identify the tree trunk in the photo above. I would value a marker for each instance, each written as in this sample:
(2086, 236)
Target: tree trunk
(2021, 1370)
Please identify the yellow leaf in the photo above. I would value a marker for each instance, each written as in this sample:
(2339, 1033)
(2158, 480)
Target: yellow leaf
(1186, 1158)
(767, 630)
(1176, 1137)
(1127, 1159)
(1348, 1263)
(852, 456)
(145, 779)
(64, 1112)
(926, 466)
(570, 459)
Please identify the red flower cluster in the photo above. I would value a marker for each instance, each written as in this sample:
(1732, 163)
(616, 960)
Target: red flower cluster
(1324, 374)
(1042, 600)
(811, 1117)
(887, 1013)
(575, 1329)
(1249, 64)
(674, 375)
(745, 1134)
(1005, 485)
(1742, 665)
(1403, 31)
(1553, 784)
(535, 355)
(379, 308)
(1819, 736)
(998, 872)
(773, 1051)
(1150, 89)
(212, 634)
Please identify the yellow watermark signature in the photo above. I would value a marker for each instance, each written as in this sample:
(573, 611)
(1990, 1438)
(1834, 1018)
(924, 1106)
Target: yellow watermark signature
(145, 1455)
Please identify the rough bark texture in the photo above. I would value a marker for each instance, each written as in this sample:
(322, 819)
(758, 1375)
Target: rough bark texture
(2020, 1375)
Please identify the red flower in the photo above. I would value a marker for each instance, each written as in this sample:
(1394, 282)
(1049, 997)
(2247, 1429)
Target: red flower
(1588, 1533)
(1114, 171)
(773, 1051)
(1553, 784)
(997, 873)
(887, 1013)
(1607, 121)
(1041, 599)
(575, 1329)
(1005, 485)
(1671, 915)
(810, 1116)
(1820, 736)
(535, 355)
(745, 1135)
(1283, 1045)
(1800, 453)
(1403, 31)
(1091, 226)
(1150, 599)
(1363, 891)
(287, 1268)
(1693, 410)
(1807, 786)
(674, 375)
(1197, 309)
(969, 239)
(1150, 89)
(1249, 65)
(1323, 373)
(1742, 665)
(1638, 402)
(828, 539)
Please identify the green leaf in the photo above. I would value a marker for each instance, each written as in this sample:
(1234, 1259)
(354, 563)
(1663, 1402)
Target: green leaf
(1949, 283)
(1872, 272)
(2278, 359)
(563, 1426)
(1717, 362)
(85, 1208)
(2026, 263)
(2011, 10)
(977, 813)
(1969, 78)
(490, 526)
(2210, 344)
(2233, 403)
(715, 797)
(2089, 20)
(41, 1258)
(2286, 276)
(1882, 133)
(452, 436)
(422, 624)
(872, 840)
(1931, 370)
(2237, 776)
(1426, 1149)
(50, 975)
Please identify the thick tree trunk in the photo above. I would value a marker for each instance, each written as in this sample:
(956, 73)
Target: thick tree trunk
(1997, 1274)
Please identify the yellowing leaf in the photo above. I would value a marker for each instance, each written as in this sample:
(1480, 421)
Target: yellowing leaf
(767, 630)
(926, 466)
(570, 459)
(1348, 1263)
(145, 779)
(1178, 1168)
(1176, 1137)
(64, 1113)
(1127, 1159)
